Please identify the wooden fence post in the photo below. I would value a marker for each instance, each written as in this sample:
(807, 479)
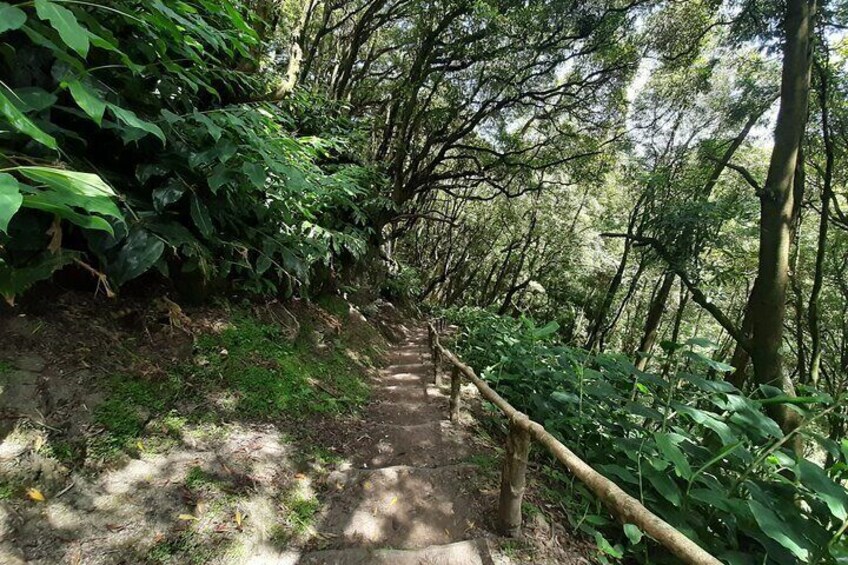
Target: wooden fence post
(513, 479)
(454, 397)
(437, 377)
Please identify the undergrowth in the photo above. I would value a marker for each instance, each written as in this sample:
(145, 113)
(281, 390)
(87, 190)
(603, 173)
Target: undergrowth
(692, 448)
(249, 371)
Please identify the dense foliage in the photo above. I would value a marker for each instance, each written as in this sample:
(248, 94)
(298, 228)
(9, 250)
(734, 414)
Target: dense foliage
(144, 135)
(690, 446)
(664, 179)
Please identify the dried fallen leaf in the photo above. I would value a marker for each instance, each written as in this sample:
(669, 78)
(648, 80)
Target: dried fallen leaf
(140, 446)
(300, 477)
(393, 501)
(200, 508)
(239, 517)
(187, 517)
(38, 443)
(115, 527)
(35, 494)
(367, 485)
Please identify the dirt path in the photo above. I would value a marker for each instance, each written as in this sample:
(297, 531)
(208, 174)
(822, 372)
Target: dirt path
(409, 494)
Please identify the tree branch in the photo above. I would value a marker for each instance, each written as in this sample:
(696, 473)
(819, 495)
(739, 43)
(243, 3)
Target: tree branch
(697, 294)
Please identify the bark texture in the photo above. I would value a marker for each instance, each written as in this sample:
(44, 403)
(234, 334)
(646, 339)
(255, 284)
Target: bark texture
(777, 206)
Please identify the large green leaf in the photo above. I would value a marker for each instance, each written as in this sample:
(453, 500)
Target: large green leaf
(11, 17)
(772, 525)
(667, 444)
(53, 203)
(10, 199)
(23, 124)
(824, 488)
(129, 118)
(15, 280)
(88, 99)
(65, 22)
(139, 252)
(33, 99)
(200, 215)
(84, 184)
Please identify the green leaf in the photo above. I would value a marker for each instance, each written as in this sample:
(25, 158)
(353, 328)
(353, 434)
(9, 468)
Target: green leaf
(11, 18)
(15, 280)
(84, 184)
(664, 485)
(88, 99)
(256, 173)
(701, 342)
(667, 444)
(606, 547)
(52, 203)
(34, 99)
(633, 533)
(65, 22)
(545, 331)
(200, 215)
(129, 118)
(834, 495)
(10, 199)
(166, 195)
(21, 123)
(71, 189)
(140, 251)
(772, 525)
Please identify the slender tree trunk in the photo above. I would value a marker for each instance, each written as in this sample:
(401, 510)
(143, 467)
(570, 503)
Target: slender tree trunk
(777, 205)
(599, 321)
(797, 291)
(632, 289)
(826, 196)
(652, 322)
(678, 321)
(606, 304)
(741, 357)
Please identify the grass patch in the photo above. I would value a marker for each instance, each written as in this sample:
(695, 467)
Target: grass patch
(335, 305)
(5, 367)
(249, 370)
(301, 511)
(488, 464)
(7, 490)
(185, 547)
(272, 376)
(124, 414)
(197, 480)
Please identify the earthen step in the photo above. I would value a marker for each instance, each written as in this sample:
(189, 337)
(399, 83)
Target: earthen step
(430, 444)
(402, 507)
(471, 552)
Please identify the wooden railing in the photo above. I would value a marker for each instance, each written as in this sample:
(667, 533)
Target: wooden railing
(521, 430)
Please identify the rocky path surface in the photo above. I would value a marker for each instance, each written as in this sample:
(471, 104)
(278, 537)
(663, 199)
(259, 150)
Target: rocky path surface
(409, 495)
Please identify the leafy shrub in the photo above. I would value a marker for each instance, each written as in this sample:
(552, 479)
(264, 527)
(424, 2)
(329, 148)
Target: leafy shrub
(135, 137)
(692, 448)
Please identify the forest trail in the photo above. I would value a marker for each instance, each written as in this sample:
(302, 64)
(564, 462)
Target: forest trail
(409, 495)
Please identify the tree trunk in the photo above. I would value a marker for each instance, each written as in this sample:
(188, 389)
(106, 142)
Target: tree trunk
(826, 196)
(601, 316)
(777, 206)
(741, 357)
(678, 321)
(652, 322)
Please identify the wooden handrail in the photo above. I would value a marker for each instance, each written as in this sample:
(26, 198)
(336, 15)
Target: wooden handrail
(619, 503)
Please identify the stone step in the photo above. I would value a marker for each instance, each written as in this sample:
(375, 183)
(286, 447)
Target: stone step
(470, 552)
